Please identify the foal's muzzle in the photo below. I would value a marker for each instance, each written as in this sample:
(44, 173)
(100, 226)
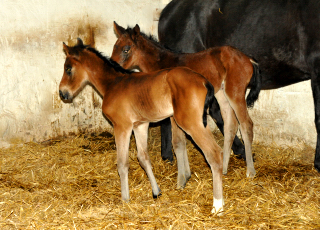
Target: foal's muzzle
(65, 95)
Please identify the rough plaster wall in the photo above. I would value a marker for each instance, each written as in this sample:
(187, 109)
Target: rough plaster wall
(31, 61)
(31, 64)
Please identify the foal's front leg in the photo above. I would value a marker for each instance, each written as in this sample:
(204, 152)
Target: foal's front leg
(141, 135)
(122, 136)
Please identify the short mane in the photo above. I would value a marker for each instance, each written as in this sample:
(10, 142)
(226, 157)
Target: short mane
(106, 59)
(153, 39)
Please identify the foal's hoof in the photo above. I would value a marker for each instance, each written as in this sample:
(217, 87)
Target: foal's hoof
(224, 172)
(182, 181)
(156, 196)
(251, 174)
(181, 185)
(218, 212)
(217, 206)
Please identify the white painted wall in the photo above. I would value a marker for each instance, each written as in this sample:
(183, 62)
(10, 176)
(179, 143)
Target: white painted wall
(31, 61)
(285, 115)
(31, 65)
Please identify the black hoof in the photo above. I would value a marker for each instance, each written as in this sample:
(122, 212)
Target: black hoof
(240, 153)
(168, 158)
(156, 196)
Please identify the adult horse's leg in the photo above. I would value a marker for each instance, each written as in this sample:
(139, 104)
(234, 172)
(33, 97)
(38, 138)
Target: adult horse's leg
(315, 84)
(166, 137)
(180, 149)
(237, 145)
(122, 135)
(141, 136)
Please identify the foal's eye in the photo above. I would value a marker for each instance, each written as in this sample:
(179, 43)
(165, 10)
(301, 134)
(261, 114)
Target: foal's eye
(68, 71)
(126, 49)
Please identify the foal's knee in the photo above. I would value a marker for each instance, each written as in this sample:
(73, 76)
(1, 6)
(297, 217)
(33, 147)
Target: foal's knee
(143, 158)
(178, 143)
(250, 130)
(123, 168)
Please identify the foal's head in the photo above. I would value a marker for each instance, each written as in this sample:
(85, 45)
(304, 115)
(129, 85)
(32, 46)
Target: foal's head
(74, 75)
(134, 48)
(125, 50)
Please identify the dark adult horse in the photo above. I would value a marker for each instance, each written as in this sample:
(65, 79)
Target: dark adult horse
(282, 35)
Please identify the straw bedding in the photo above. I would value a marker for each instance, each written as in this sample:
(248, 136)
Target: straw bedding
(72, 183)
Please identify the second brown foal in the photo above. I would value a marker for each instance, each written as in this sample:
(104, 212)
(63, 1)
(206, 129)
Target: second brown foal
(226, 68)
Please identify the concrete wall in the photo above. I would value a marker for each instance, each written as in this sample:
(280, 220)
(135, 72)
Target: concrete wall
(31, 64)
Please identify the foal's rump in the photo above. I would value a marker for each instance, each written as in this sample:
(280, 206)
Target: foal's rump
(191, 93)
(236, 63)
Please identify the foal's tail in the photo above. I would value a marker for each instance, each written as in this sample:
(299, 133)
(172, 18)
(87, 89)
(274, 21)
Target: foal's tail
(255, 84)
(208, 102)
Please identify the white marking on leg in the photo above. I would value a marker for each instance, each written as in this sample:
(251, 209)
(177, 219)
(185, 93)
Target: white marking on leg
(217, 206)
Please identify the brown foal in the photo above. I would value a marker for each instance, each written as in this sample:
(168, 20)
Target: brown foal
(132, 100)
(226, 68)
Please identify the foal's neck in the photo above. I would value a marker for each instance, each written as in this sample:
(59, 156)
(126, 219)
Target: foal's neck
(101, 74)
(158, 57)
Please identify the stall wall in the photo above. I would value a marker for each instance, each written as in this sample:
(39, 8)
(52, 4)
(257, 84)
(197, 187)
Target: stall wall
(31, 64)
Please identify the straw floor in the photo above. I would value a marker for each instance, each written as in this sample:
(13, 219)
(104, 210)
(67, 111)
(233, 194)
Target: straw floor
(72, 183)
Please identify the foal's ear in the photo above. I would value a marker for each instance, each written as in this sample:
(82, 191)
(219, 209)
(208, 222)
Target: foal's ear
(70, 52)
(119, 30)
(79, 42)
(136, 30)
(65, 49)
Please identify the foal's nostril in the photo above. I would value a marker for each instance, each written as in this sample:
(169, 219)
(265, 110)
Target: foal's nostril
(64, 96)
(61, 94)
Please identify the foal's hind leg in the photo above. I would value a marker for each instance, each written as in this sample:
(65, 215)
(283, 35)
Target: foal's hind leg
(205, 140)
(230, 127)
(141, 135)
(192, 124)
(180, 149)
(216, 113)
(246, 128)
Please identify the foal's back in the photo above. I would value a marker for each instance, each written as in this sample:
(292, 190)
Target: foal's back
(151, 96)
(218, 64)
